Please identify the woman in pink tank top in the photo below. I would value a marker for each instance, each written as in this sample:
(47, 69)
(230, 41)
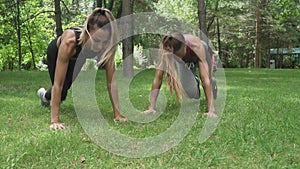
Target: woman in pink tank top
(183, 52)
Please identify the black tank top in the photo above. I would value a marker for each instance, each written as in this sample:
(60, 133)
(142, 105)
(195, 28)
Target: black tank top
(79, 51)
(78, 47)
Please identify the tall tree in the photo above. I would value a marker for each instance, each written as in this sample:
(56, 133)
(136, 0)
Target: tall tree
(99, 3)
(234, 25)
(103, 3)
(18, 25)
(202, 17)
(219, 41)
(31, 47)
(111, 4)
(127, 31)
(59, 30)
(257, 39)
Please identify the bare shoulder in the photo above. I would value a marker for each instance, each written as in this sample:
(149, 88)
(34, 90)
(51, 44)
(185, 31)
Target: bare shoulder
(194, 41)
(68, 37)
(67, 46)
(197, 46)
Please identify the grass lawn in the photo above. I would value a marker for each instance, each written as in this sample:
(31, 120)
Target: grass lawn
(259, 127)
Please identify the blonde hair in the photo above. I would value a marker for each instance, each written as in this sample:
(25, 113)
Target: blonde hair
(102, 18)
(170, 44)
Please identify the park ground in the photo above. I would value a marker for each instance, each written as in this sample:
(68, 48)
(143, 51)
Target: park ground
(259, 127)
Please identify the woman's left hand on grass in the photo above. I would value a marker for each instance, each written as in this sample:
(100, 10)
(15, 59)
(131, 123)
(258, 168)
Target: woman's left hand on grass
(57, 126)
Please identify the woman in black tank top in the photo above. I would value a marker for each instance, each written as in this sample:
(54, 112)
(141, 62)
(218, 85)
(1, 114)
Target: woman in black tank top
(97, 39)
(178, 50)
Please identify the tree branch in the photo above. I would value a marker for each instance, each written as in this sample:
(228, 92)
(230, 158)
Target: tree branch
(37, 14)
(213, 17)
(68, 11)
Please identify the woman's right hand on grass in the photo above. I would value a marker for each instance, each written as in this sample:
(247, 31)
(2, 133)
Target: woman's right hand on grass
(149, 111)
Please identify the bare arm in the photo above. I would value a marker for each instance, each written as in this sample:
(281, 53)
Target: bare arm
(199, 49)
(113, 90)
(65, 51)
(156, 85)
(206, 84)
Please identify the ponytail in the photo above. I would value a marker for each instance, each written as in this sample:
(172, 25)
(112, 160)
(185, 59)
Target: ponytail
(169, 45)
(109, 53)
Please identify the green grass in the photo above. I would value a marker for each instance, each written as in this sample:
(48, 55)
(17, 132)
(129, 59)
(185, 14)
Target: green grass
(259, 127)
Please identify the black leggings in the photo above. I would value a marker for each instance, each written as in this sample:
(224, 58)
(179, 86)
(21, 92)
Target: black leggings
(52, 53)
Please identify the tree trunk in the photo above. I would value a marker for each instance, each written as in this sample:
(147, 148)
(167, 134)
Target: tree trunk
(104, 3)
(59, 30)
(281, 61)
(257, 45)
(202, 18)
(99, 3)
(111, 4)
(31, 48)
(247, 61)
(268, 56)
(225, 65)
(268, 38)
(127, 31)
(219, 40)
(119, 13)
(19, 36)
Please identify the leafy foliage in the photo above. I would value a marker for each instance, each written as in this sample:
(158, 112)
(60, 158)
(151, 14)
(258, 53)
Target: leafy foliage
(279, 26)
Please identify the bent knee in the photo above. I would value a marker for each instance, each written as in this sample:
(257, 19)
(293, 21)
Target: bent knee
(193, 95)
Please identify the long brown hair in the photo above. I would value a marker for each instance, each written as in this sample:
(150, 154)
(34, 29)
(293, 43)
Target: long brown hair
(102, 18)
(170, 44)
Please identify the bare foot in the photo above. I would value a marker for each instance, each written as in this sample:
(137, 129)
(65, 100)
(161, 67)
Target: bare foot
(211, 114)
(120, 119)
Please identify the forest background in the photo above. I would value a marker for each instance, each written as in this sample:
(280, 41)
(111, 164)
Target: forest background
(244, 33)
